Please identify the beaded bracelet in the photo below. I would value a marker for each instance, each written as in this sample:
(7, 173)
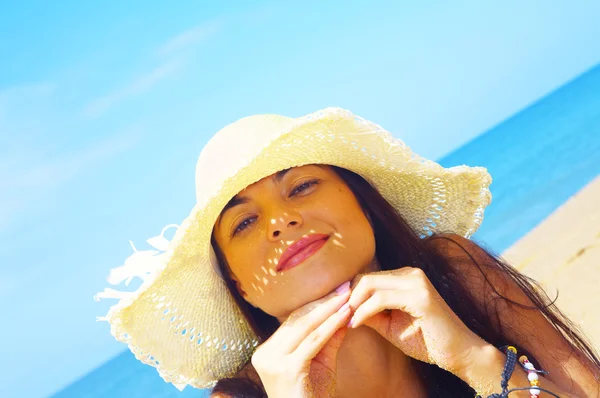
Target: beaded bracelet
(532, 376)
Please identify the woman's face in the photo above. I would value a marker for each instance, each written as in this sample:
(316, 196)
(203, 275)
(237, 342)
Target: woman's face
(261, 222)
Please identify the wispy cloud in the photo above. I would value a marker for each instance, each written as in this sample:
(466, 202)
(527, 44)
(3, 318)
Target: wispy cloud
(28, 175)
(173, 50)
(189, 38)
(31, 165)
(26, 91)
(13, 100)
(139, 85)
(53, 172)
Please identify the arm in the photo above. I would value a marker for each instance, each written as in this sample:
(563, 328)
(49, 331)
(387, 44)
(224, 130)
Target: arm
(525, 328)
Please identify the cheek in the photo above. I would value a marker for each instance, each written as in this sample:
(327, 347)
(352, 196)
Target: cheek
(254, 269)
(355, 234)
(272, 298)
(273, 294)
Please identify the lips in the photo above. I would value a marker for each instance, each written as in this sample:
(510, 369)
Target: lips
(301, 250)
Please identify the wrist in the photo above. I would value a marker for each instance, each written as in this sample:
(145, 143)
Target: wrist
(481, 368)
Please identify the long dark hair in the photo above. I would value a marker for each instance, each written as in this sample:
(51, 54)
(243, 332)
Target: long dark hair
(397, 244)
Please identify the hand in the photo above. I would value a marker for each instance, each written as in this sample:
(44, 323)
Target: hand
(299, 359)
(403, 306)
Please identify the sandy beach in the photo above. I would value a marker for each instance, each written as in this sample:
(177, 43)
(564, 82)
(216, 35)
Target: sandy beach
(563, 253)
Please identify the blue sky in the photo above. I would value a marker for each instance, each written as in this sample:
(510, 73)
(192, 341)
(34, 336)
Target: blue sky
(104, 109)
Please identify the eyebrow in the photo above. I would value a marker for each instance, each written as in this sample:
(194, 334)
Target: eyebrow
(238, 200)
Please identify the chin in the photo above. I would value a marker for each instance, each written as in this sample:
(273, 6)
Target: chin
(324, 277)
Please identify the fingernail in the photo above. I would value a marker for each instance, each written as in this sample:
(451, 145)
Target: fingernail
(350, 322)
(344, 308)
(343, 288)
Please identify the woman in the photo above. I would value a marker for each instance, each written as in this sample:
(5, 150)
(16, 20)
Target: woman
(342, 256)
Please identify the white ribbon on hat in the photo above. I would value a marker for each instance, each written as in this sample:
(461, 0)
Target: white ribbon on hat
(141, 264)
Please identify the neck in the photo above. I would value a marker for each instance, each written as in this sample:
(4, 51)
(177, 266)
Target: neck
(370, 366)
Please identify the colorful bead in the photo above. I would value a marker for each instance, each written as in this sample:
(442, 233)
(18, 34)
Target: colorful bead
(532, 373)
(528, 366)
(532, 376)
(523, 358)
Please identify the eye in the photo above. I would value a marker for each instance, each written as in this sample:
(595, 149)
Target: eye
(245, 223)
(303, 187)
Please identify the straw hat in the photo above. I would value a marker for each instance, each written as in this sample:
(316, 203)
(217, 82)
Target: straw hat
(182, 319)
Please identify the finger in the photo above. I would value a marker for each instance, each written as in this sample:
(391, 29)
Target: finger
(404, 272)
(403, 323)
(306, 319)
(380, 322)
(319, 338)
(366, 285)
(327, 356)
(381, 301)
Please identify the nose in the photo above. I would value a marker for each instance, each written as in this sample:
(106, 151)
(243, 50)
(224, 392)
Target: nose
(282, 221)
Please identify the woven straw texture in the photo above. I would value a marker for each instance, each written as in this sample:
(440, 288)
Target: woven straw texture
(182, 319)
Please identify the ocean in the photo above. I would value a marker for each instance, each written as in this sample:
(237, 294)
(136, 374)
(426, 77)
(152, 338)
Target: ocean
(538, 159)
